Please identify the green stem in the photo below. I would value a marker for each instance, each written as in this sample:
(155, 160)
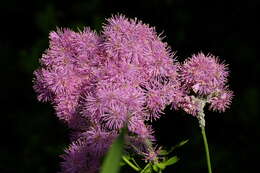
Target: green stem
(136, 164)
(131, 164)
(146, 167)
(206, 148)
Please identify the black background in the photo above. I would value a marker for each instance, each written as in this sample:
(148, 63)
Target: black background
(32, 138)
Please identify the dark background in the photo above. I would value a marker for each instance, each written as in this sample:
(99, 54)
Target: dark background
(32, 138)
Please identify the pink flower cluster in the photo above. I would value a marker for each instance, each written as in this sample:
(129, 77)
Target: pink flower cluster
(100, 83)
(124, 76)
(204, 78)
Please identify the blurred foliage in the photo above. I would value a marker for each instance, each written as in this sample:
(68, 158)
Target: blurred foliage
(32, 135)
(111, 163)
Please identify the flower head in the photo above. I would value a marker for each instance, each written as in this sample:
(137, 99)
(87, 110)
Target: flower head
(221, 100)
(86, 152)
(203, 74)
(205, 81)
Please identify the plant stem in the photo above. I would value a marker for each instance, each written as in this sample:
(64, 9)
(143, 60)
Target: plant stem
(206, 148)
(131, 164)
(146, 167)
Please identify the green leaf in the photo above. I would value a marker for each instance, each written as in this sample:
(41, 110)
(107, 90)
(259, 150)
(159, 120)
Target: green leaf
(182, 143)
(165, 152)
(112, 160)
(178, 145)
(172, 160)
(161, 165)
(156, 168)
(164, 164)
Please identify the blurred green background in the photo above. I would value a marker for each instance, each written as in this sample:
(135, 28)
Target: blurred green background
(32, 137)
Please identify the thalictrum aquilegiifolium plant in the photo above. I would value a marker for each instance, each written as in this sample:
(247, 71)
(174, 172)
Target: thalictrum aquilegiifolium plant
(108, 87)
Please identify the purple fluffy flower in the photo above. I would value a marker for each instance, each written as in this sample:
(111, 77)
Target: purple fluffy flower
(98, 140)
(75, 158)
(62, 49)
(99, 83)
(128, 40)
(221, 101)
(85, 154)
(191, 105)
(137, 126)
(40, 86)
(203, 74)
(205, 81)
(132, 42)
(67, 66)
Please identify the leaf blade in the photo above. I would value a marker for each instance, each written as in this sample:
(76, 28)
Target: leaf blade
(112, 160)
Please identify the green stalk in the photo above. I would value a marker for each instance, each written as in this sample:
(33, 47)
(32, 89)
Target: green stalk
(145, 168)
(130, 164)
(206, 148)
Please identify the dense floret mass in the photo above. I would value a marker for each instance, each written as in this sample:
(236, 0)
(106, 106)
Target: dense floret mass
(204, 78)
(123, 77)
(98, 84)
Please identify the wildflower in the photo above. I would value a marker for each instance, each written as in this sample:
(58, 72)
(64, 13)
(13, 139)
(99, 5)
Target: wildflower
(98, 83)
(85, 154)
(221, 101)
(205, 81)
(203, 74)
